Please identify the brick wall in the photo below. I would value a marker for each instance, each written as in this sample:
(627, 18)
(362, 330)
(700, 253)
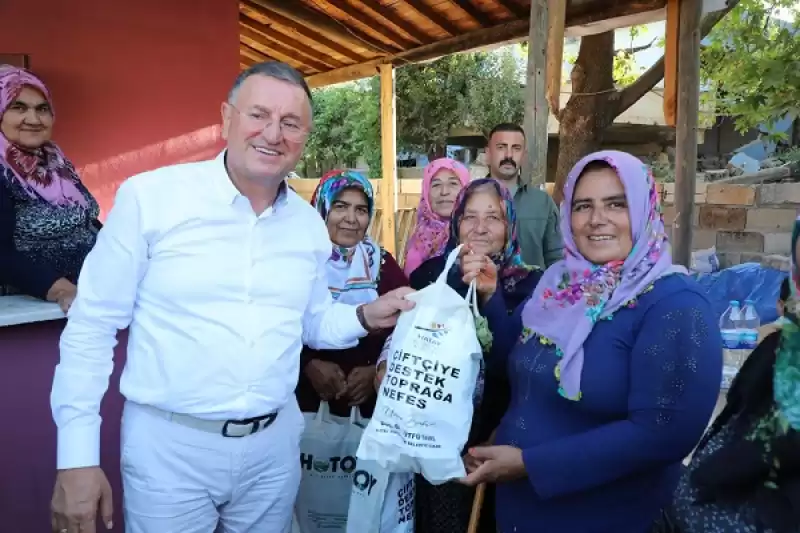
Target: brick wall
(744, 222)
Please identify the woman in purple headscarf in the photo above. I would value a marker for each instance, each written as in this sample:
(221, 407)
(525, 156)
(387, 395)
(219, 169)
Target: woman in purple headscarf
(48, 219)
(615, 364)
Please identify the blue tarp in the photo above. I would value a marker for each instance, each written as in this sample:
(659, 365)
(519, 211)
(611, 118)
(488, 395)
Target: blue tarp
(748, 281)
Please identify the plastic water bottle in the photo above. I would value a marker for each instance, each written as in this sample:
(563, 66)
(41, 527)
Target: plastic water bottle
(749, 328)
(730, 325)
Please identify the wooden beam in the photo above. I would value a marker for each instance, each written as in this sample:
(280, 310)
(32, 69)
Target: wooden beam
(259, 42)
(515, 9)
(250, 10)
(388, 34)
(671, 62)
(345, 74)
(256, 56)
(434, 16)
(475, 14)
(462, 43)
(534, 168)
(501, 33)
(557, 19)
(621, 133)
(391, 15)
(620, 14)
(244, 62)
(691, 12)
(388, 185)
(280, 38)
(322, 23)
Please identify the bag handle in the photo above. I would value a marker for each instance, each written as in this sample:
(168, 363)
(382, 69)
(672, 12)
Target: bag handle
(323, 413)
(451, 260)
(472, 298)
(472, 292)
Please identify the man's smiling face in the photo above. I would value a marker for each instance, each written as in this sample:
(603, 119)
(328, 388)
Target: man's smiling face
(266, 127)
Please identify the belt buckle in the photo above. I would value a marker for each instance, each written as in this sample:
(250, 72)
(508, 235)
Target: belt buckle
(256, 424)
(252, 423)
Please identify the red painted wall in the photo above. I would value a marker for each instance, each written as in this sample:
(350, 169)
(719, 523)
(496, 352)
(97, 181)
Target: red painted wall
(136, 84)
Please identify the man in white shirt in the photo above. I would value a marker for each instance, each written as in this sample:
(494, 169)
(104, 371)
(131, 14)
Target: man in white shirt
(218, 268)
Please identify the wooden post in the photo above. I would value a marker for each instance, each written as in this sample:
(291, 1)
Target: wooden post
(534, 168)
(388, 184)
(671, 62)
(555, 52)
(686, 135)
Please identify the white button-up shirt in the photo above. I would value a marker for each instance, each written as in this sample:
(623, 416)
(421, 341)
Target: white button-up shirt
(219, 302)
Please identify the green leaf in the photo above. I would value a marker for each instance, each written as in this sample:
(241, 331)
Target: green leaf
(752, 60)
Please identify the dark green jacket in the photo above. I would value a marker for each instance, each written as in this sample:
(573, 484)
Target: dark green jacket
(539, 233)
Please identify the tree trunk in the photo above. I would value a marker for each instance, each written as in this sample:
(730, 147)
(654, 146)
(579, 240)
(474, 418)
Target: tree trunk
(583, 119)
(590, 109)
(436, 151)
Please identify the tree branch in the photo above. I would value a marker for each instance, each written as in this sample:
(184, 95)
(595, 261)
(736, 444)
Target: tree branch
(636, 49)
(645, 83)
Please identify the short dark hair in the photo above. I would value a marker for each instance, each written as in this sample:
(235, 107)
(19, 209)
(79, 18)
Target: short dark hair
(506, 126)
(271, 69)
(786, 290)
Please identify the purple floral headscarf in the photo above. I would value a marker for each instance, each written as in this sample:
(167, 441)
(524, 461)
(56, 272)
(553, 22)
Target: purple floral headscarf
(575, 293)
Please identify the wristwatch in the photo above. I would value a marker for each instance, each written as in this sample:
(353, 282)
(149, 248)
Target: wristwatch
(363, 321)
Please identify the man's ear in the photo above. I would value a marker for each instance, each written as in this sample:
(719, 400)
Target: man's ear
(225, 111)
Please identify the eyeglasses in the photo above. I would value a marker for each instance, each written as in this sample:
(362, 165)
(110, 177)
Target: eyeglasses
(290, 129)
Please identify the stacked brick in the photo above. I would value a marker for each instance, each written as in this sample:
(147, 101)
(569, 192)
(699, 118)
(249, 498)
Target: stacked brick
(745, 222)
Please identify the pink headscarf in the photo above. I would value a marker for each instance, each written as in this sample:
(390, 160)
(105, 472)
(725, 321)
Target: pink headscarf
(45, 172)
(431, 231)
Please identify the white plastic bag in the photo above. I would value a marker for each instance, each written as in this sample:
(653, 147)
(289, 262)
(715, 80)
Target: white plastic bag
(424, 410)
(327, 462)
(705, 261)
(380, 501)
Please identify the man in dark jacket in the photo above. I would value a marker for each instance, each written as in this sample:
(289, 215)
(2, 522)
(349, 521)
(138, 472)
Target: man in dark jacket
(537, 215)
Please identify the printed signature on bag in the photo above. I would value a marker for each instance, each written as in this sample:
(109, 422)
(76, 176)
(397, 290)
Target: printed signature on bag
(388, 411)
(419, 424)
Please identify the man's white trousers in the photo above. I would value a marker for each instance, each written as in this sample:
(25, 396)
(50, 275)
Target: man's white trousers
(182, 480)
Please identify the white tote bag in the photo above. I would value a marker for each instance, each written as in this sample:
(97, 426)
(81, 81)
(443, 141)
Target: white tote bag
(424, 410)
(327, 463)
(380, 501)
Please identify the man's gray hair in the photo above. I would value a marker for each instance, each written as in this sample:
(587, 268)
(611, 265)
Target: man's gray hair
(271, 69)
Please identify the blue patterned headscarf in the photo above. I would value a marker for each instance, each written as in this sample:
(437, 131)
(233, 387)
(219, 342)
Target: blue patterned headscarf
(510, 267)
(352, 272)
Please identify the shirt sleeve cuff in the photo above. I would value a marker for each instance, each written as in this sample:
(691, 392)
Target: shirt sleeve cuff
(543, 464)
(351, 325)
(78, 447)
(533, 464)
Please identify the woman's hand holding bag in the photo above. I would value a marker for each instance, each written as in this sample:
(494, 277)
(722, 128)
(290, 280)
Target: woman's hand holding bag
(482, 270)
